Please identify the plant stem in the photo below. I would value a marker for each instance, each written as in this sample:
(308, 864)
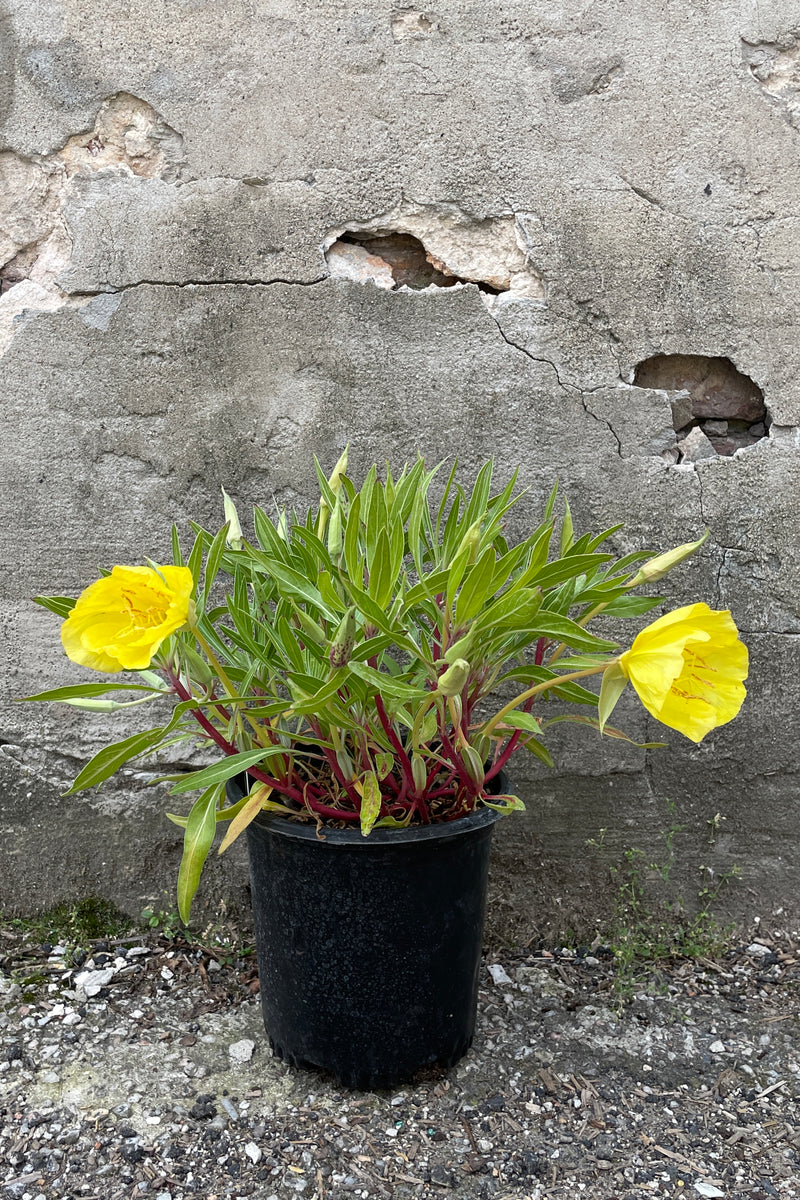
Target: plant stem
(545, 686)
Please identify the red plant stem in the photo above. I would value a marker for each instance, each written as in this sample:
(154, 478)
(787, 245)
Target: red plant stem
(449, 750)
(202, 720)
(336, 770)
(336, 814)
(405, 761)
(501, 759)
(541, 647)
(227, 747)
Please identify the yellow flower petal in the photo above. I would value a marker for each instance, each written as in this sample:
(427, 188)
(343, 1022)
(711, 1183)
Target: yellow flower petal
(119, 622)
(688, 669)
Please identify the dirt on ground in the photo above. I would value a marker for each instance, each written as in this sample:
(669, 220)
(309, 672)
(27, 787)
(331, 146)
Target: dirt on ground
(139, 1067)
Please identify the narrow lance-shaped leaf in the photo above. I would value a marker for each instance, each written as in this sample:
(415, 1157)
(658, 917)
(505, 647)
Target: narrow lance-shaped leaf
(83, 691)
(198, 836)
(249, 811)
(110, 759)
(62, 606)
(220, 772)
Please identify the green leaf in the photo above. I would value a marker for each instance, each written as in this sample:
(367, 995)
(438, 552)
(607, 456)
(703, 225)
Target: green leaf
(380, 578)
(219, 772)
(613, 685)
(82, 691)
(504, 804)
(553, 626)
(607, 730)
(522, 720)
(567, 538)
(213, 560)
(631, 606)
(177, 556)
(109, 760)
(197, 839)
(370, 802)
(538, 749)
(475, 587)
(353, 557)
(62, 606)
(567, 568)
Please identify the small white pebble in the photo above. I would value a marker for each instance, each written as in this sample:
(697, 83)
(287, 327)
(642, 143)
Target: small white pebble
(253, 1152)
(717, 1047)
(242, 1051)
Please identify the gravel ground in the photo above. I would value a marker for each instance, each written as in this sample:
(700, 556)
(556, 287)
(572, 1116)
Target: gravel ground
(144, 1071)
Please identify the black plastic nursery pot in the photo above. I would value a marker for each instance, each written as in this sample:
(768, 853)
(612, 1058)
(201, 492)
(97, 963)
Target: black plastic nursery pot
(369, 948)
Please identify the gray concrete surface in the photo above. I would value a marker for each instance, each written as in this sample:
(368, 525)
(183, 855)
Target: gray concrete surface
(170, 322)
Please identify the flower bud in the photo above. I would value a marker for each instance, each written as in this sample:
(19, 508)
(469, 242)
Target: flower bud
(335, 481)
(335, 541)
(472, 761)
(657, 567)
(234, 535)
(419, 772)
(459, 648)
(452, 681)
(343, 640)
(197, 668)
(311, 630)
(472, 540)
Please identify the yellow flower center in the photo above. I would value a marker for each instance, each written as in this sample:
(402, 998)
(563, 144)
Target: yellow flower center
(145, 618)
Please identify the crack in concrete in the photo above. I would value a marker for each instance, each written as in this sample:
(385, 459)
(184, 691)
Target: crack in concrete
(567, 387)
(115, 290)
(603, 421)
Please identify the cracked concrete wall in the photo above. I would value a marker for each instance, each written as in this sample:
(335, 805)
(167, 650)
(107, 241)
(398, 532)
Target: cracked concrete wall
(169, 323)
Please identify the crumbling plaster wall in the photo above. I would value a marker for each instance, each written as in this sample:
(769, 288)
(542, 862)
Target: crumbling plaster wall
(607, 182)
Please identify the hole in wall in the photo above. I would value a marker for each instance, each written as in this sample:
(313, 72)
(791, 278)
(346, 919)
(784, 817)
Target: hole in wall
(394, 260)
(716, 410)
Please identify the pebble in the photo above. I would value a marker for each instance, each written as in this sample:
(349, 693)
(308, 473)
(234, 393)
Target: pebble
(89, 983)
(242, 1051)
(555, 1076)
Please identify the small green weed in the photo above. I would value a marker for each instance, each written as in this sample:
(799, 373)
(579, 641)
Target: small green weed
(644, 933)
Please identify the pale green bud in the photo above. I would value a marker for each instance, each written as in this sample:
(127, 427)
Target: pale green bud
(452, 681)
(310, 628)
(472, 540)
(343, 640)
(335, 484)
(657, 567)
(335, 481)
(460, 648)
(234, 535)
(472, 761)
(197, 668)
(419, 772)
(335, 541)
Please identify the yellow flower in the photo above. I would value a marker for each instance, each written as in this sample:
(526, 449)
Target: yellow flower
(119, 622)
(688, 669)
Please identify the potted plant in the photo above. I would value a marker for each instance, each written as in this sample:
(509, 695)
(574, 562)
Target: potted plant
(364, 673)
